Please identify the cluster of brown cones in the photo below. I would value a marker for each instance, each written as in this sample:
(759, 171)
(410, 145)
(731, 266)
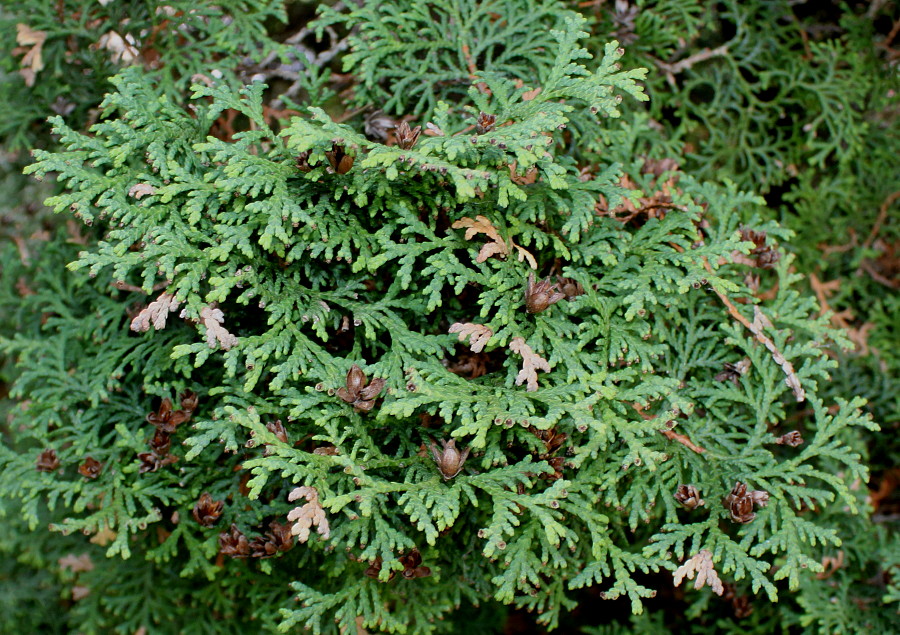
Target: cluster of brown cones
(739, 503)
(277, 540)
(166, 421)
(412, 567)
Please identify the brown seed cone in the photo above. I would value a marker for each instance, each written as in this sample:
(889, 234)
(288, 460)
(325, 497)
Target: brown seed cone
(234, 543)
(568, 287)
(767, 258)
(372, 390)
(356, 379)
(278, 538)
(449, 460)
(485, 123)
(406, 137)
(734, 371)
(539, 296)
(277, 428)
(165, 419)
(469, 365)
(742, 606)
(90, 468)
(189, 401)
(160, 443)
(150, 461)
(340, 161)
(792, 438)
(378, 125)
(412, 565)
(552, 438)
(207, 511)
(740, 502)
(374, 570)
(47, 461)
(762, 255)
(739, 603)
(688, 496)
(302, 162)
(357, 393)
(557, 463)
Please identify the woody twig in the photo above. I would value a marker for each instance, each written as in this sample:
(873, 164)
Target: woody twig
(756, 327)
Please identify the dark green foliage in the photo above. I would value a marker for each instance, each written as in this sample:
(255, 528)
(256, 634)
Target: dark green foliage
(277, 274)
(409, 55)
(798, 101)
(83, 42)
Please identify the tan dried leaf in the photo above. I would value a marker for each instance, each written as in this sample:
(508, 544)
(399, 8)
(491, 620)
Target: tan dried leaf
(155, 313)
(306, 516)
(524, 254)
(481, 225)
(479, 333)
(700, 565)
(141, 190)
(104, 536)
(497, 246)
(531, 363)
(33, 60)
(76, 563)
(432, 130)
(831, 564)
(490, 249)
(213, 319)
(80, 592)
(121, 49)
(529, 177)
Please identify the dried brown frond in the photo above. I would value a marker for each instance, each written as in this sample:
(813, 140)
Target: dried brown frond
(305, 516)
(760, 321)
(497, 246)
(700, 565)
(478, 333)
(155, 313)
(213, 319)
(531, 363)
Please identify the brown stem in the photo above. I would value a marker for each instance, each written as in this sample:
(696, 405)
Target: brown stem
(482, 87)
(882, 215)
(756, 328)
(121, 285)
(671, 435)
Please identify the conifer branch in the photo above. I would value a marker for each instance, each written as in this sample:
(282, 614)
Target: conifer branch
(755, 327)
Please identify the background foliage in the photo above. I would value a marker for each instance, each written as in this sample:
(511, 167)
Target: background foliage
(289, 267)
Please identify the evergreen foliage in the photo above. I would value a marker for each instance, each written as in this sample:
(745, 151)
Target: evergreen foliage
(57, 56)
(298, 374)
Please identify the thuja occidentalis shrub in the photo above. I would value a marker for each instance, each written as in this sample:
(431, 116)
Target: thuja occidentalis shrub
(372, 374)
